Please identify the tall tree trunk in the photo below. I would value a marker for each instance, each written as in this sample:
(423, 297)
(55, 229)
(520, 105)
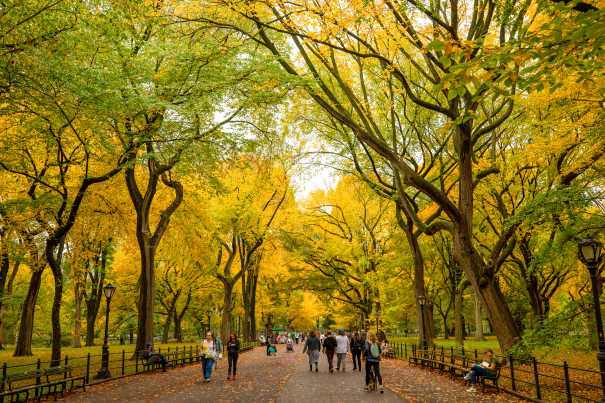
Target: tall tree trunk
(147, 239)
(91, 317)
(178, 332)
(77, 314)
(54, 258)
(23, 345)
(481, 278)
(249, 283)
(4, 267)
(8, 293)
(459, 320)
(94, 297)
(478, 319)
(178, 319)
(227, 308)
(407, 226)
(166, 327)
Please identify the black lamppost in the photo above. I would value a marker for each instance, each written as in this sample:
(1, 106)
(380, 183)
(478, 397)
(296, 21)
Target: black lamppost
(590, 252)
(209, 315)
(422, 301)
(103, 373)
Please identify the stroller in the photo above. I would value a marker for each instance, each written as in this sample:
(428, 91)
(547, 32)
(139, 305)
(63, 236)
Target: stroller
(289, 346)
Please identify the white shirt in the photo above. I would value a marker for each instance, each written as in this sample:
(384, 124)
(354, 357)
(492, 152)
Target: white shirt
(342, 344)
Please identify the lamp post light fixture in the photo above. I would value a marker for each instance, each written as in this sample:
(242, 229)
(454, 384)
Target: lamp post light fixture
(590, 252)
(421, 302)
(104, 373)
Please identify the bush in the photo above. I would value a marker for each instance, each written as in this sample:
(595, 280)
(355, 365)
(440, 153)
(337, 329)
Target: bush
(565, 329)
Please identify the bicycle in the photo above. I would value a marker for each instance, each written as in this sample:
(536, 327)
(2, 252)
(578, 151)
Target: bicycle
(373, 381)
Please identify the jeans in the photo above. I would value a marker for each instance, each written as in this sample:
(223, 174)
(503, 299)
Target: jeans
(478, 370)
(232, 358)
(374, 366)
(207, 364)
(356, 359)
(330, 356)
(341, 359)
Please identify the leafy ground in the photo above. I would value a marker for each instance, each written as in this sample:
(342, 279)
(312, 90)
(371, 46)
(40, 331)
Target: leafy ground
(284, 378)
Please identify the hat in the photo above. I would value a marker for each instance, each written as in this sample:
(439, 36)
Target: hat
(149, 344)
(341, 331)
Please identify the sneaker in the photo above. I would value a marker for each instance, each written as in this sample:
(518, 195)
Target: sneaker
(316, 369)
(367, 388)
(471, 390)
(381, 389)
(467, 377)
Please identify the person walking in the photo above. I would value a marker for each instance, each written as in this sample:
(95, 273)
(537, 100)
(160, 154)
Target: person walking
(372, 354)
(312, 347)
(356, 348)
(329, 345)
(219, 349)
(232, 355)
(208, 353)
(342, 348)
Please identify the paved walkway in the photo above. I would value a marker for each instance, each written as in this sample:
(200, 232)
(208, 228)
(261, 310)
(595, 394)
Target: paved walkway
(283, 378)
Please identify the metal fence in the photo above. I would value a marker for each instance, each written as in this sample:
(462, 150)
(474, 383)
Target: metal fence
(121, 364)
(526, 378)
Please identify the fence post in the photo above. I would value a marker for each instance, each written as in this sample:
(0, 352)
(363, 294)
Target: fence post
(190, 354)
(452, 358)
(405, 347)
(512, 373)
(123, 359)
(3, 381)
(476, 357)
(66, 362)
(88, 368)
(567, 387)
(38, 368)
(537, 378)
(136, 362)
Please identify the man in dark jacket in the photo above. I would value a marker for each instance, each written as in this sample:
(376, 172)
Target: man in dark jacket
(357, 345)
(330, 349)
(152, 357)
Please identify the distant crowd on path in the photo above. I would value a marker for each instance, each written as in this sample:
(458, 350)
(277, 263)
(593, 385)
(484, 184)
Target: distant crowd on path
(361, 345)
(366, 346)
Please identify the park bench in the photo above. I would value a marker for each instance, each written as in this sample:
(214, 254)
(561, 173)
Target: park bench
(12, 389)
(60, 376)
(176, 358)
(492, 378)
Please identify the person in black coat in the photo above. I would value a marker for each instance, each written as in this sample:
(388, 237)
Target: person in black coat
(329, 345)
(232, 355)
(357, 345)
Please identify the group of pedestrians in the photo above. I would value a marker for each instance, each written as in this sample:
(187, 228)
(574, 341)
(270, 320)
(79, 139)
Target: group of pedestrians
(367, 347)
(211, 352)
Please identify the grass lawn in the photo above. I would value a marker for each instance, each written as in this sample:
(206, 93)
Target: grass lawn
(574, 358)
(77, 357)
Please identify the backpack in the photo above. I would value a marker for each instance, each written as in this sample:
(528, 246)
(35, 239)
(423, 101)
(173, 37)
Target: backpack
(374, 350)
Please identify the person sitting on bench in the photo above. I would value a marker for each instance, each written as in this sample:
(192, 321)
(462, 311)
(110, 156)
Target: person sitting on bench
(487, 368)
(152, 357)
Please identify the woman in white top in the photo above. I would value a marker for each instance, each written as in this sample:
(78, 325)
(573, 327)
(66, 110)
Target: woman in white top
(208, 353)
